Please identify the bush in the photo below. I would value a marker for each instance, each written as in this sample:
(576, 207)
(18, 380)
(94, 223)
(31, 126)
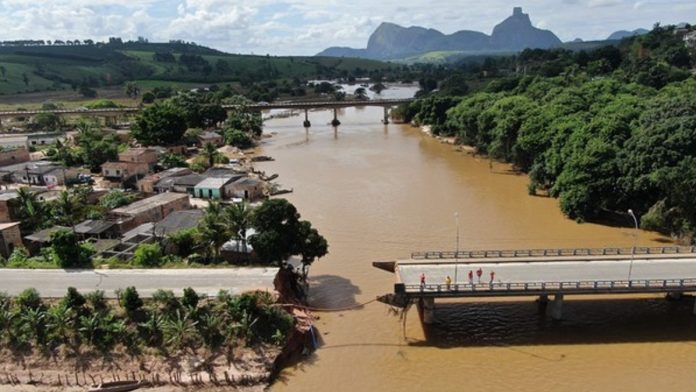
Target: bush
(97, 300)
(166, 299)
(73, 299)
(148, 255)
(29, 299)
(148, 97)
(190, 298)
(130, 300)
(238, 139)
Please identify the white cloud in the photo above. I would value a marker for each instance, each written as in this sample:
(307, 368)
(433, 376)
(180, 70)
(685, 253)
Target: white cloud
(308, 26)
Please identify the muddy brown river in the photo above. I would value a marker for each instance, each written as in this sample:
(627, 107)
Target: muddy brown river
(380, 192)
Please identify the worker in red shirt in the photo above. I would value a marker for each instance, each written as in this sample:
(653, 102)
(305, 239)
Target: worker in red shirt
(492, 277)
(471, 277)
(422, 281)
(479, 272)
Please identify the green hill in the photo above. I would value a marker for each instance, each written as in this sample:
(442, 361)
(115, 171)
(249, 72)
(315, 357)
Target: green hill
(25, 69)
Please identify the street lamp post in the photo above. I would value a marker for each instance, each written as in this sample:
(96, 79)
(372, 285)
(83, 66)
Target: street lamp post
(635, 240)
(456, 252)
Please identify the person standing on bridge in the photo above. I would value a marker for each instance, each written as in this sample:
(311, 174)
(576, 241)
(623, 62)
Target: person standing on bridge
(492, 277)
(471, 277)
(448, 282)
(422, 281)
(479, 272)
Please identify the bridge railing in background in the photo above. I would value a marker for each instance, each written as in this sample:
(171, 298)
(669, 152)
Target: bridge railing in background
(483, 254)
(577, 287)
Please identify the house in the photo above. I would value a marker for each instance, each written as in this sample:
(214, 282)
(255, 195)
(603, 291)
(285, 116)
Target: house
(96, 228)
(60, 176)
(151, 209)
(37, 173)
(41, 238)
(247, 188)
(215, 187)
(210, 137)
(121, 171)
(179, 149)
(236, 251)
(14, 141)
(140, 155)
(690, 39)
(180, 184)
(5, 208)
(147, 184)
(10, 156)
(179, 220)
(44, 138)
(10, 238)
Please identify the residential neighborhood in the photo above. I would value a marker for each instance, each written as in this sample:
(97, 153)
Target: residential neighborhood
(133, 192)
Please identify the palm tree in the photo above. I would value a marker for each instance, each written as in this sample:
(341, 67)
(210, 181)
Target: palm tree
(60, 323)
(34, 320)
(66, 208)
(179, 332)
(213, 228)
(360, 93)
(152, 329)
(211, 153)
(28, 209)
(238, 218)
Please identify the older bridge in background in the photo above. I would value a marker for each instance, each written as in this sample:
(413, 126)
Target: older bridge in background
(540, 273)
(306, 106)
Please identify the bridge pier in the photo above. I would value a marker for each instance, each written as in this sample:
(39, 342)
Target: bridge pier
(542, 303)
(557, 307)
(335, 121)
(427, 308)
(385, 120)
(306, 122)
(674, 295)
(694, 311)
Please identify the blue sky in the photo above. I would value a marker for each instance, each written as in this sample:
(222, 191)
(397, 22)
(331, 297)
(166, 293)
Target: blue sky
(305, 27)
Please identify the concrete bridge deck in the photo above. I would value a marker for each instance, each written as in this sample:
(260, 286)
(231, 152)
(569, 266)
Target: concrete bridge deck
(542, 272)
(306, 105)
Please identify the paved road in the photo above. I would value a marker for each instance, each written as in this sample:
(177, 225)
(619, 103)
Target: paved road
(54, 283)
(559, 271)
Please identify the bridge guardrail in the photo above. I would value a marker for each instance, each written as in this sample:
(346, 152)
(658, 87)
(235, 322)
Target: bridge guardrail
(561, 252)
(551, 287)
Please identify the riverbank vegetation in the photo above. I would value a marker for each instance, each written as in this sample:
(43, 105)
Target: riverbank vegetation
(88, 333)
(604, 131)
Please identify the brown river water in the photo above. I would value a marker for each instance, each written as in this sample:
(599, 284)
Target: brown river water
(380, 192)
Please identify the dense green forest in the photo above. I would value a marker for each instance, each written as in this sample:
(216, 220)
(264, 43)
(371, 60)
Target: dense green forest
(605, 131)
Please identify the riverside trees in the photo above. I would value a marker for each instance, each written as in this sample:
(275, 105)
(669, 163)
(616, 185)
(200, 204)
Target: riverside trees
(603, 131)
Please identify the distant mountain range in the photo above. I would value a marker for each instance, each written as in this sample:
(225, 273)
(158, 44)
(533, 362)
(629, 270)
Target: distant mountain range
(516, 33)
(621, 34)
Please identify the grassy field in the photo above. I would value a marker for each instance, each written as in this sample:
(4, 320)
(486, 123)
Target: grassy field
(54, 73)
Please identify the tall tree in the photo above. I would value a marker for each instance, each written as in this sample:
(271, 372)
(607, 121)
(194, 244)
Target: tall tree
(159, 124)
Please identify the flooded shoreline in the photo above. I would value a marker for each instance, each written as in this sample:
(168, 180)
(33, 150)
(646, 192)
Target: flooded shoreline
(380, 192)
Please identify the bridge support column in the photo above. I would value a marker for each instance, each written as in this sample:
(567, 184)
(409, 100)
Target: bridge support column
(428, 310)
(335, 121)
(385, 120)
(694, 311)
(557, 307)
(674, 295)
(542, 302)
(306, 122)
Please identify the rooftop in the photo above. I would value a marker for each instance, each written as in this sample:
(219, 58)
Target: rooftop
(215, 182)
(148, 203)
(209, 135)
(45, 234)
(4, 226)
(178, 220)
(93, 226)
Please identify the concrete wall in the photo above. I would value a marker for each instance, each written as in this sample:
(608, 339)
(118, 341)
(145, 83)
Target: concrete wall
(10, 239)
